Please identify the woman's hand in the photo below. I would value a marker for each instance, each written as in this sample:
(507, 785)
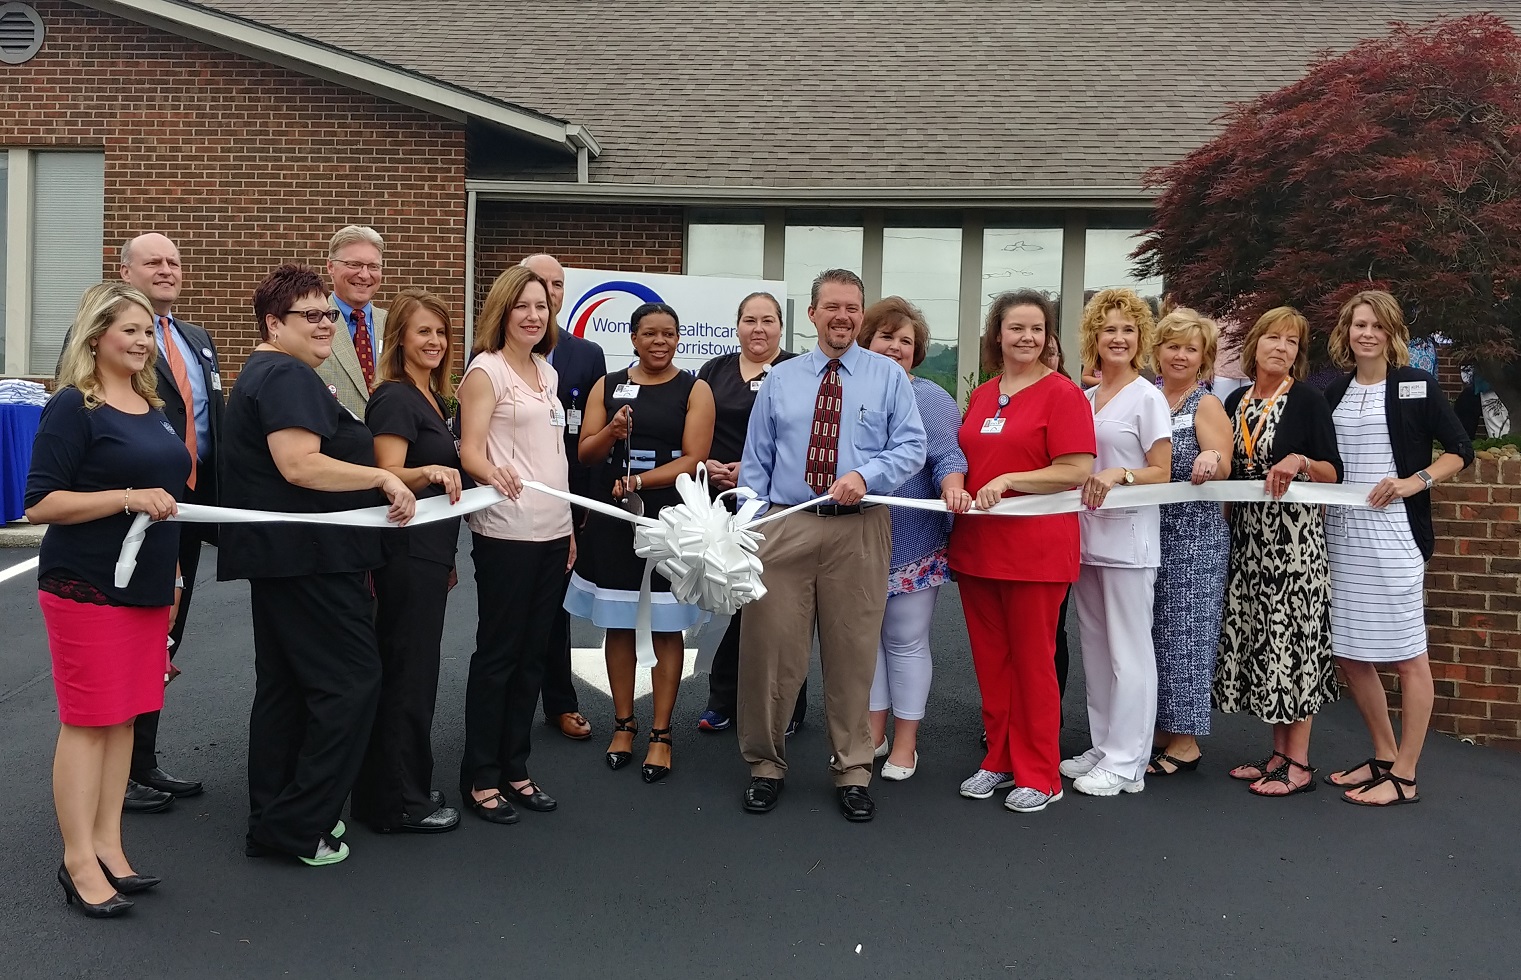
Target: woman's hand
(1206, 465)
(724, 476)
(453, 578)
(506, 481)
(157, 504)
(403, 503)
(619, 424)
(957, 500)
(1096, 488)
(622, 488)
(570, 563)
(992, 492)
(446, 477)
(1283, 473)
(1389, 490)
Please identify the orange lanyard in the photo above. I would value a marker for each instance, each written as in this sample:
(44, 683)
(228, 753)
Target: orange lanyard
(1249, 438)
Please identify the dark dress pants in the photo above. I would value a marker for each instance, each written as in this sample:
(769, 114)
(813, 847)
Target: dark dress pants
(723, 681)
(519, 587)
(411, 595)
(559, 684)
(1061, 643)
(316, 682)
(145, 728)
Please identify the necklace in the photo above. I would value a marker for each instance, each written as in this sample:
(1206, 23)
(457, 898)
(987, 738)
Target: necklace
(1177, 403)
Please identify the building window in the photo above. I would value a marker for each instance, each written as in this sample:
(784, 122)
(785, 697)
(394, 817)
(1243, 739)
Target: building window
(1021, 258)
(833, 242)
(1107, 262)
(731, 244)
(923, 265)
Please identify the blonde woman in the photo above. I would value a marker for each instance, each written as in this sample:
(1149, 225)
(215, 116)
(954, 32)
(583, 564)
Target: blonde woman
(1387, 415)
(1121, 547)
(104, 453)
(1190, 587)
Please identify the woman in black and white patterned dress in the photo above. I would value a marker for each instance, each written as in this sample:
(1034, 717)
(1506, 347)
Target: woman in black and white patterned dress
(1387, 414)
(1275, 634)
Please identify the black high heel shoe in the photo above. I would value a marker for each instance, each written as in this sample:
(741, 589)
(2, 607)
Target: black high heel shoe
(109, 909)
(617, 760)
(654, 774)
(129, 884)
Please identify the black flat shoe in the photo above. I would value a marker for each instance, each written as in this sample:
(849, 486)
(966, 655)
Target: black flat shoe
(109, 909)
(130, 884)
(532, 797)
(440, 821)
(617, 760)
(502, 813)
(654, 774)
(165, 783)
(856, 804)
(145, 799)
(762, 794)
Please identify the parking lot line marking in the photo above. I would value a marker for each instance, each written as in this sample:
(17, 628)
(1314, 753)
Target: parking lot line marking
(19, 568)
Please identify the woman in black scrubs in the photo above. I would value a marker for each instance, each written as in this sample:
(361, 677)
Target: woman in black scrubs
(287, 445)
(735, 378)
(412, 415)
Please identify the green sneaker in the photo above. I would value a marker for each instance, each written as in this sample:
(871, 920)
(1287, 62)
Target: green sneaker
(338, 831)
(326, 854)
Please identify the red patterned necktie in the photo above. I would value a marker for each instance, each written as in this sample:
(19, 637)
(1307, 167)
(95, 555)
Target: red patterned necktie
(362, 349)
(824, 440)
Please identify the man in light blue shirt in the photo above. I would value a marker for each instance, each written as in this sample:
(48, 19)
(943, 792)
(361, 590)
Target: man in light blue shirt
(840, 421)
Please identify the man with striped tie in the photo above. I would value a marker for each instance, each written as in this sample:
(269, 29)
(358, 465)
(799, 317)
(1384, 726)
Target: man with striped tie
(354, 265)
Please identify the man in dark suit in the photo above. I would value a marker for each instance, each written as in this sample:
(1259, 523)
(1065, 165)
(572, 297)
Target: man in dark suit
(190, 383)
(579, 363)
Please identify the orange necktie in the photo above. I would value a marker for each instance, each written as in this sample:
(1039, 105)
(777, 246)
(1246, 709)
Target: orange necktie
(187, 393)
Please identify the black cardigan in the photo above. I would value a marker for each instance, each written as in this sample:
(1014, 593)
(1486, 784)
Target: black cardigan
(1305, 426)
(1414, 423)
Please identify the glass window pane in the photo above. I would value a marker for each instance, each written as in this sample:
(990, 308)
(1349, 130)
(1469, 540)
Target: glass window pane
(68, 210)
(923, 265)
(1107, 263)
(1021, 258)
(723, 249)
(810, 249)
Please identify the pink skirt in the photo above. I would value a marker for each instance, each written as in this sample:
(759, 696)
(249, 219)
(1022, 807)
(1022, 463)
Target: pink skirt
(108, 661)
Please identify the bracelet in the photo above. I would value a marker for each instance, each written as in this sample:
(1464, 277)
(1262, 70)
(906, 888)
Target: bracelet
(638, 482)
(126, 501)
(179, 583)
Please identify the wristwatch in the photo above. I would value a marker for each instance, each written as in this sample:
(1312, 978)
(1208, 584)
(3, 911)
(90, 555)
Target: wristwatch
(1129, 478)
(1426, 479)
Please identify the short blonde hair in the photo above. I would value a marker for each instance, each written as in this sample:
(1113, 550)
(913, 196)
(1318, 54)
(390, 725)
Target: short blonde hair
(1386, 310)
(1183, 323)
(1277, 317)
(98, 309)
(1133, 308)
(353, 234)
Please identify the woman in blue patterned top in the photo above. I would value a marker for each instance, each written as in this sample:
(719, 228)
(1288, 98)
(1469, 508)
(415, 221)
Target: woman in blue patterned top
(895, 328)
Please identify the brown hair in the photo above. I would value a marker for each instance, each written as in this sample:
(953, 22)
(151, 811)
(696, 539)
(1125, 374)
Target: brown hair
(99, 307)
(1133, 308)
(760, 295)
(992, 330)
(274, 296)
(1272, 318)
(1183, 322)
(491, 333)
(887, 316)
(842, 276)
(1386, 310)
(393, 355)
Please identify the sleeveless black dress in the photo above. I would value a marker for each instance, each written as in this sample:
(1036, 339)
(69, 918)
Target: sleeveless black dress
(604, 587)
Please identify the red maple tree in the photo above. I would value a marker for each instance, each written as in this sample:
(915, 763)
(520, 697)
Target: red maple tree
(1394, 165)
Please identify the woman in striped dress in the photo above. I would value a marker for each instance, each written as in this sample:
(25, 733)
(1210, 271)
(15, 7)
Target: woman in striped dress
(1387, 414)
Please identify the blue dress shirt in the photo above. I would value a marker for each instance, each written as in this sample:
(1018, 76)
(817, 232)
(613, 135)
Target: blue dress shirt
(881, 435)
(369, 323)
(193, 360)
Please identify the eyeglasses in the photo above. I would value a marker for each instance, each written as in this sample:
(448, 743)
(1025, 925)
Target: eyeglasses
(315, 317)
(371, 267)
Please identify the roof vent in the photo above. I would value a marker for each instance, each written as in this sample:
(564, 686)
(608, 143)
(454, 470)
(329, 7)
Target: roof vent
(20, 33)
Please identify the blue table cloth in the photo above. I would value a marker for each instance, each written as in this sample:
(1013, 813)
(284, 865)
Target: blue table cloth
(18, 427)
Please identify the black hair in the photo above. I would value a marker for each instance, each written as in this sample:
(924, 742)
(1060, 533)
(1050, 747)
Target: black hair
(648, 309)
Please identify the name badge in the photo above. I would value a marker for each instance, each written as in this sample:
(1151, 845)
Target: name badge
(755, 385)
(1183, 421)
(216, 381)
(1412, 389)
(557, 416)
(992, 427)
(575, 421)
(206, 353)
(629, 391)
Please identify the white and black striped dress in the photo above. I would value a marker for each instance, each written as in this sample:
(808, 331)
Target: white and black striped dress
(1377, 573)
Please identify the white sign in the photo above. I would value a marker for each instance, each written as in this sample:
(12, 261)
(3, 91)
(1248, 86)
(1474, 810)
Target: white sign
(598, 304)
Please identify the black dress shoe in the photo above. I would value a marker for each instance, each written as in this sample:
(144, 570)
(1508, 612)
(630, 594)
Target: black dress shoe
(109, 909)
(436, 797)
(502, 813)
(856, 804)
(440, 821)
(762, 794)
(165, 783)
(145, 799)
(130, 884)
(531, 797)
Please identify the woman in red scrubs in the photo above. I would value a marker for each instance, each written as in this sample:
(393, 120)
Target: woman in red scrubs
(1026, 431)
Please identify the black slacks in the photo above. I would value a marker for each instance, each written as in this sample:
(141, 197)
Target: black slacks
(411, 595)
(1061, 644)
(723, 680)
(145, 728)
(519, 588)
(559, 684)
(316, 682)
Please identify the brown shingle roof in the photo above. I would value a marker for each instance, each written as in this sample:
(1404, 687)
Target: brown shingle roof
(879, 93)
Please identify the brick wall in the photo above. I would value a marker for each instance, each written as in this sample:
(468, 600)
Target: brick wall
(243, 164)
(1473, 604)
(629, 239)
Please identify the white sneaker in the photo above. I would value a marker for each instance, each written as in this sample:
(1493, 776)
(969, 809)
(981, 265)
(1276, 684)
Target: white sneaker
(981, 784)
(1102, 782)
(899, 773)
(1080, 765)
(1024, 799)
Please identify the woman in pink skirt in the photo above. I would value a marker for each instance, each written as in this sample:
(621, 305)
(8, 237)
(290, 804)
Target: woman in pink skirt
(104, 453)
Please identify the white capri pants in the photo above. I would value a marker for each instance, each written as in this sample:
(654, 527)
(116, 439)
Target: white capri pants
(1119, 664)
(902, 681)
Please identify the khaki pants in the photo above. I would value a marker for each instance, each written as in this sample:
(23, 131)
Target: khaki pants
(829, 571)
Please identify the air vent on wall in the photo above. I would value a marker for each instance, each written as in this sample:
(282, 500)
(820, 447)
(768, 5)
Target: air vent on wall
(20, 33)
